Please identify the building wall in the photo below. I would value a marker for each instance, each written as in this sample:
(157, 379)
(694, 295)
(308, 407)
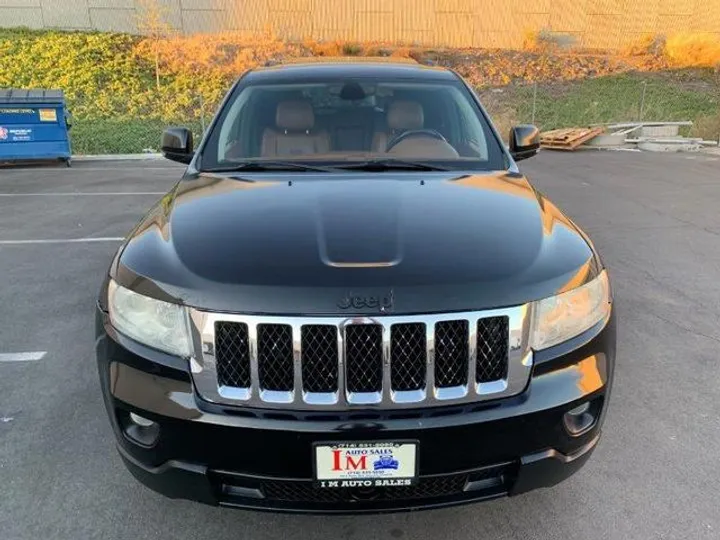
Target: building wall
(471, 23)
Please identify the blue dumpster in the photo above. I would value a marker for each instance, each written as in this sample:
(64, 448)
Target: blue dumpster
(33, 125)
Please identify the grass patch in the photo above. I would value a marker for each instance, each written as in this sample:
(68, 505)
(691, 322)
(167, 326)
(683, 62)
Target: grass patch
(352, 49)
(110, 136)
(707, 127)
(671, 96)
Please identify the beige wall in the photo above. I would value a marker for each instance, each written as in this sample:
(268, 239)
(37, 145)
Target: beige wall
(480, 23)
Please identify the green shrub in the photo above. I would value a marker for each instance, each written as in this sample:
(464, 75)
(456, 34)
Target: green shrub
(109, 87)
(111, 136)
(352, 49)
(98, 72)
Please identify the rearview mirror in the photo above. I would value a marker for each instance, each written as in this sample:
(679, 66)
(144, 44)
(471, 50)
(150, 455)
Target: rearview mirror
(177, 144)
(524, 141)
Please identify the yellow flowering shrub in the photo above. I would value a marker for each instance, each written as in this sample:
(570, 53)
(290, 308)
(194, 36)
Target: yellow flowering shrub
(693, 50)
(98, 72)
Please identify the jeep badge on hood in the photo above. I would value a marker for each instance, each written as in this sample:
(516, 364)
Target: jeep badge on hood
(383, 303)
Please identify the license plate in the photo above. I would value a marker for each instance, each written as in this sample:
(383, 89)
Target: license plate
(372, 464)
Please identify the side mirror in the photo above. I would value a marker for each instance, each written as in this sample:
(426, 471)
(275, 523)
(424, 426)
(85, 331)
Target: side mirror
(177, 144)
(524, 141)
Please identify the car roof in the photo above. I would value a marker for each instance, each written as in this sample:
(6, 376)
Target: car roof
(348, 60)
(350, 68)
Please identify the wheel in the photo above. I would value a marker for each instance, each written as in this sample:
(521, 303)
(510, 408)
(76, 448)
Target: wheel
(414, 133)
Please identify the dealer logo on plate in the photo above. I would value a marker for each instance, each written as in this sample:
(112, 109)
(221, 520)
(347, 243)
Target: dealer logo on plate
(3, 133)
(372, 464)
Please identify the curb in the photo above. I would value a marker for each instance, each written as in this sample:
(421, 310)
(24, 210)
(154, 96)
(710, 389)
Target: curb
(118, 157)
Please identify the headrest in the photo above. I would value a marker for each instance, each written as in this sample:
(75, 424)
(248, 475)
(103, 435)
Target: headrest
(405, 115)
(295, 116)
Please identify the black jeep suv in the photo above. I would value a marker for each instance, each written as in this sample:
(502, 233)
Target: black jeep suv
(354, 301)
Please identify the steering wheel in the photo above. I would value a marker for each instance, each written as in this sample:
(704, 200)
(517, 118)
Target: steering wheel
(414, 133)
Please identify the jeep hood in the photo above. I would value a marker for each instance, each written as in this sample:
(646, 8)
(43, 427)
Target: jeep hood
(301, 243)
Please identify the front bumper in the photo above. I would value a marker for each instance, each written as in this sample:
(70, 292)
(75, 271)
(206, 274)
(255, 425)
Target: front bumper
(263, 460)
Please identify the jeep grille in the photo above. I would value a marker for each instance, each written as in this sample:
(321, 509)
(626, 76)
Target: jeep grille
(322, 363)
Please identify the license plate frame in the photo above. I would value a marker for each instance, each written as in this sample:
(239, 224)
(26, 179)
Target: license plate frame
(401, 451)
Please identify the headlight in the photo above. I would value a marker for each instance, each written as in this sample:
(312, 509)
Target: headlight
(152, 322)
(559, 318)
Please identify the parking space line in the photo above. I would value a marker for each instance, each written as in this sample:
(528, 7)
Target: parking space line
(61, 241)
(80, 170)
(83, 194)
(22, 356)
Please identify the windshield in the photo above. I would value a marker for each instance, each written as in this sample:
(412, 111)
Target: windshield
(346, 123)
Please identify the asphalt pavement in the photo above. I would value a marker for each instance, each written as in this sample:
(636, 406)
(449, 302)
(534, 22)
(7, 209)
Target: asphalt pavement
(656, 472)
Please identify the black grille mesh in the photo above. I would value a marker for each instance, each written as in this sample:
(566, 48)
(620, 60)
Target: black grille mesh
(363, 357)
(232, 354)
(451, 353)
(275, 356)
(408, 353)
(304, 491)
(492, 349)
(319, 358)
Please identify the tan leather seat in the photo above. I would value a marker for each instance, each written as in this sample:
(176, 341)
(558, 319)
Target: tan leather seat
(401, 116)
(294, 135)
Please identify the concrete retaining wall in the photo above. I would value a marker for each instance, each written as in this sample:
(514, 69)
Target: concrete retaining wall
(477, 23)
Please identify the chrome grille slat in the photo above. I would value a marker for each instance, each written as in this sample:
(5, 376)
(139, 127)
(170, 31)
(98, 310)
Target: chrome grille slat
(471, 347)
(297, 362)
(342, 387)
(254, 375)
(430, 343)
(330, 363)
(386, 391)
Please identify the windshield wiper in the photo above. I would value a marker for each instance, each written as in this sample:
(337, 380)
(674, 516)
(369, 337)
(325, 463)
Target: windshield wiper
(390, 164)
(260, 166)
